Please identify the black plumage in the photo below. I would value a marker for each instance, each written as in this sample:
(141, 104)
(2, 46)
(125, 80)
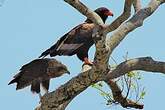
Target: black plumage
(78, 40)
(37, 72)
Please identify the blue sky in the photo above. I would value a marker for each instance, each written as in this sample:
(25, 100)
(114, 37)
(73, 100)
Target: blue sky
(28, 27)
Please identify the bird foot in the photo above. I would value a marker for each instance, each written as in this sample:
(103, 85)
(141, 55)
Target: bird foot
(88, 62)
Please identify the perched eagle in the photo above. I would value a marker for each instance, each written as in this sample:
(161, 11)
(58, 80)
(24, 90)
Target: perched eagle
(78, 40)
(37, 72)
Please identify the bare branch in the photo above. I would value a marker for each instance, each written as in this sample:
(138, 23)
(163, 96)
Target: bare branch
(118, 97)
(137, 5)
(133, 23)
(143, 63)
(123, 17)
(71, 89)
(85, 11)
(102, 52)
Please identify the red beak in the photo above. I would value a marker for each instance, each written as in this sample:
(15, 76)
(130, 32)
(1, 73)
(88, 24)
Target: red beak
(109, 13)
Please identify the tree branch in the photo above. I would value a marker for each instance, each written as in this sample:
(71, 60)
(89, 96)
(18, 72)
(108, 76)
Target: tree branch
(65, 93)
(143, 63)
(133, 23)
(85, 11)
(137, 5)
(123, 17)
(102, 51)
(118, 97)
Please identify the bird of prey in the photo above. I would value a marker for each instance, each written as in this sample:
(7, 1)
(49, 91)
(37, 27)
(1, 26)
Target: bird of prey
(39, 71)
(78, 40)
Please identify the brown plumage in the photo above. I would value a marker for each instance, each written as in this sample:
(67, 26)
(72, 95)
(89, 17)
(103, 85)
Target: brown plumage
(78, 40)
(37, 72)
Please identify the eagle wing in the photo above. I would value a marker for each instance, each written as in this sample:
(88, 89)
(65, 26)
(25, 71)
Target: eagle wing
(71, 41)
(35, 70)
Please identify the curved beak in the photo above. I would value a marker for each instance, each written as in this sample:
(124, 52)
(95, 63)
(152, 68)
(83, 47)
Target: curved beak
(109, 13)
(68, 72)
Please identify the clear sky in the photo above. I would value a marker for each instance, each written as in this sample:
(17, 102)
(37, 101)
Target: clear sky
(28, 27)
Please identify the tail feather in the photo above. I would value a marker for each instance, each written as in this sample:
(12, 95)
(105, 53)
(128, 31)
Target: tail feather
(21, 82)
(13, 81)
(53, 50)
(16, 79)
(44, 54)
(53, 53)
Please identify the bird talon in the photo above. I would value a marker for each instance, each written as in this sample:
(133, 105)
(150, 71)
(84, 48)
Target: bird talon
(87, 62)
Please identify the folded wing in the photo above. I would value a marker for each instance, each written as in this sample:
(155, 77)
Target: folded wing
(72, 41)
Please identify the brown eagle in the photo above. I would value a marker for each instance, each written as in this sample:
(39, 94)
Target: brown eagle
(39, 71)
(78, 40)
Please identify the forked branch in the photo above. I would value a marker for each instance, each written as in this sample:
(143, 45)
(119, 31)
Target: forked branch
(143, 63)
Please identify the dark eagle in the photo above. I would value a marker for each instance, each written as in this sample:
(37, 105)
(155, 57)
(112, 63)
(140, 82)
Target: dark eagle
(37, 72)
(78, 40)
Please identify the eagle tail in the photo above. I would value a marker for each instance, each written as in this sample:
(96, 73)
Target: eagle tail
(45, 53)
(16, 79)
(51, 51)
(21, 81)
(13, 81)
